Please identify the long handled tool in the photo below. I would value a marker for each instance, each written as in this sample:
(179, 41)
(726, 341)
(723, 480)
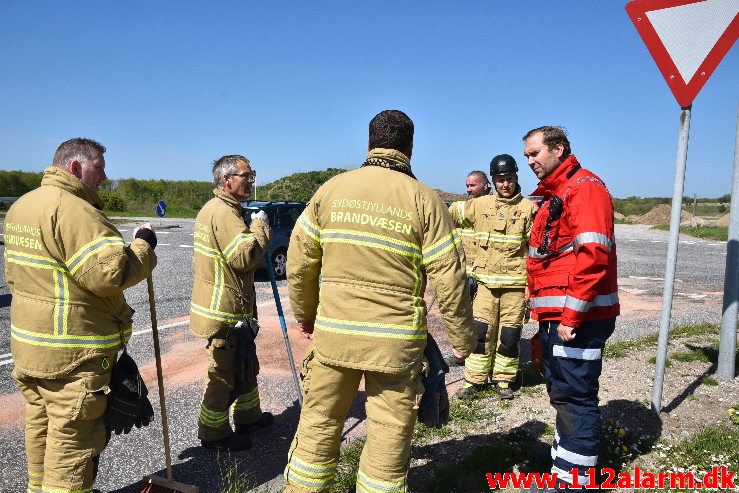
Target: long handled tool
(281, 316)
(157, 484)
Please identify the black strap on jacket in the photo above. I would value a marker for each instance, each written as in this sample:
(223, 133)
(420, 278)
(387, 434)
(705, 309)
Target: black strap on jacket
(385, 163)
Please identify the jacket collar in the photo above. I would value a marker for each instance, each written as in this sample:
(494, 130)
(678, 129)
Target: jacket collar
(387, 157)
(227, 198)
(514, 199)
(559, 177)
(57, 177)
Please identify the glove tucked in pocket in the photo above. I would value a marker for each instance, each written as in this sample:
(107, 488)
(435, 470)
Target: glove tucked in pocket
(128, 404)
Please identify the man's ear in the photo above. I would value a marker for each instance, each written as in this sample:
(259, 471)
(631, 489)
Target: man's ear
(75, 168)
(560, 150)
(369, 146)
(409, 150)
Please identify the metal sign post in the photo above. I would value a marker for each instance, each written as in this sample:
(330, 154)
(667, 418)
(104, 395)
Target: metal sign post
(727, 345)
(687, 40)
(677, 200)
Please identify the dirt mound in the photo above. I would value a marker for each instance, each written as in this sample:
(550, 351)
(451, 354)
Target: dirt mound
(450, 197)
(723, 221)
(661, 215)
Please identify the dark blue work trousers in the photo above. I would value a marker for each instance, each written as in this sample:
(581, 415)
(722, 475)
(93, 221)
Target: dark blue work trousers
(572, 370)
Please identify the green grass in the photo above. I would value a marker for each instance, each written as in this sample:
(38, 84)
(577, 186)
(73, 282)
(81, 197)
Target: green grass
(718, 233)
(711, 446)
(500, 454)
(668, 361)
(710, 381)
(620, 349)
(702, 354)
(173, 212)
(346, 472)
(462, 413)
(232, 479)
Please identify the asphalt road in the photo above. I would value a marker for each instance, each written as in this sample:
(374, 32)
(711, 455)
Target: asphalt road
(641, 251)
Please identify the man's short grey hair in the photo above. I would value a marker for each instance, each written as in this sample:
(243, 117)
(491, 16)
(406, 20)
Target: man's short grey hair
(479, 173)
(79, 149)
(226, 165)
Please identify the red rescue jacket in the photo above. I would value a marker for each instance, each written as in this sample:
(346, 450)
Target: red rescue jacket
(573, 277)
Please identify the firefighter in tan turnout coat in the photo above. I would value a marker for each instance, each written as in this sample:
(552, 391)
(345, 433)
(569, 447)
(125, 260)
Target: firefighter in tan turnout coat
(477, 185)
(226, 254)
(502, 224)
(374, 235)
(67, 266)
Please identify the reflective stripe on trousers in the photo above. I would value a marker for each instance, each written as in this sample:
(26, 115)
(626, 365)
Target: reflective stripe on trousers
(572, 370)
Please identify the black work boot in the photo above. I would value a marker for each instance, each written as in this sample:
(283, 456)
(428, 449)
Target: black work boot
(262, 422)
(468, 390)
(503, 389)
(233, 442)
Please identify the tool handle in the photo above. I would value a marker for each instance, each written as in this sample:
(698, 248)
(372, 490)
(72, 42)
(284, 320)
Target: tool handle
(160, 377)
(283, 326)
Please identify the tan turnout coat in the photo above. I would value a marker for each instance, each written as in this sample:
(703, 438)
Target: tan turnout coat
(502, 228)
(67, 266)
(226, 254)
(375, 236)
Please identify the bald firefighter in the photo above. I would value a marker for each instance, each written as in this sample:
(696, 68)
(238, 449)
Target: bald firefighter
(67, 267)
(374, 235)
(477, 185)
(502, 224)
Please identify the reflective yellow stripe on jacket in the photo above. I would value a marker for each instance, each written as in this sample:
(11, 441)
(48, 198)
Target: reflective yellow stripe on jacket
(371, 240)
(212, 311)
(61, 273)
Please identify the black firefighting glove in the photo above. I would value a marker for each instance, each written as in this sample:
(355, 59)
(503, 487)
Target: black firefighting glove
(148, 236)
(433, 411)
(128, 404)
(472, 286)
(247, 363)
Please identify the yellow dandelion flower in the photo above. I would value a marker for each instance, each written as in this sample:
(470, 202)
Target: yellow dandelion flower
(626, 449)
(621, 431)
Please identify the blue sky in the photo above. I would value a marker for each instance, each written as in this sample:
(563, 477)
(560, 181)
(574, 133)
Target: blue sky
(168, 86)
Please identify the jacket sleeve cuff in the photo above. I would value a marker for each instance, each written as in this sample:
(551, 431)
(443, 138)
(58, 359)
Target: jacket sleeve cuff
(572, 318)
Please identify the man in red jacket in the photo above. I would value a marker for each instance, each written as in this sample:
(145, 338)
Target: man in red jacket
(573, 293)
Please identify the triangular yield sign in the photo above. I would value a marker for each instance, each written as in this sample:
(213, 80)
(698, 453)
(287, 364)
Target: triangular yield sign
(687, 39)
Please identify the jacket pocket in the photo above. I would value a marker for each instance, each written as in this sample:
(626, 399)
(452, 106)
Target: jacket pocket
(91, 396)
(222, 352)
(559, 280)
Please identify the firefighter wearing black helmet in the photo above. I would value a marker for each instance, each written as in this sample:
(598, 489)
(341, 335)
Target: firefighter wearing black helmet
(502, 224)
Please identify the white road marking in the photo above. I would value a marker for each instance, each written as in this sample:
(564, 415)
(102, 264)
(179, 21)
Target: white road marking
(163, 244)
(693, 295)
(166, 326)
(647, 278)
(634, 290)
(6, 359)
(186, 246)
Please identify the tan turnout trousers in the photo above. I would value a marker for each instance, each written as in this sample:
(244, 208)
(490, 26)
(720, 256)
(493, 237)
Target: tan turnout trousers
(213, 423)
(392, 406)
(64, 426)
(503, 310)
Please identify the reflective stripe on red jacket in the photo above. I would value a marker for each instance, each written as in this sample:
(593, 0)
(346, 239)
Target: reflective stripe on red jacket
(574, 279)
